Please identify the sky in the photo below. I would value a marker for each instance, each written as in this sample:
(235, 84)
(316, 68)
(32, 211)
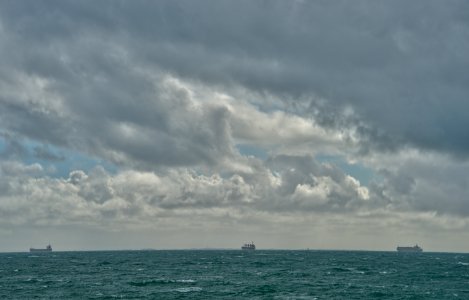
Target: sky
(207, 124)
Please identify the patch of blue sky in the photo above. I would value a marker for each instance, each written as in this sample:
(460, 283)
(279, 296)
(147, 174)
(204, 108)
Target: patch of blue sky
(78, 161)
(356, 170)
(250, 150)
(65, 162)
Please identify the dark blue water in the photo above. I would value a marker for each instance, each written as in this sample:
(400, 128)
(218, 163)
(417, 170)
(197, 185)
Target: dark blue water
(234, 275)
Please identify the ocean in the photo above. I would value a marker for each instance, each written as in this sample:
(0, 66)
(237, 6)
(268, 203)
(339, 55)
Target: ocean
(234, 274)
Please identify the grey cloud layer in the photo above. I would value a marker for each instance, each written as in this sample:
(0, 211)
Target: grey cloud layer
(168, 90)
(399, 66)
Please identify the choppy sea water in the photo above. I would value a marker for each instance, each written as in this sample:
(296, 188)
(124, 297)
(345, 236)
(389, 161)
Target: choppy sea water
(223, 274)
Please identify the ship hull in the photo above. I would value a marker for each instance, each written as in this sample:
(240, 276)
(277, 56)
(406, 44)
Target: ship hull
(409, 249)
(248, 248)
(40, 250)
(47, 249)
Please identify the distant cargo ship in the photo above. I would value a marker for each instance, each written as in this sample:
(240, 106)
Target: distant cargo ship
(249, 246)
(412, 249)
(47, 249)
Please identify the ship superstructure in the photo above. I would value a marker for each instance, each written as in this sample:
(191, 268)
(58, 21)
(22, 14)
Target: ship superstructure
(249, 246)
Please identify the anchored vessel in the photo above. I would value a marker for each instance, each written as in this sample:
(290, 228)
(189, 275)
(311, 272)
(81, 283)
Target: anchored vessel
(415, 248)
(47, 249)
(249, 246)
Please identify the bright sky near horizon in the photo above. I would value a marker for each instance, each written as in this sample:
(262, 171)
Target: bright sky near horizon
(190, 124)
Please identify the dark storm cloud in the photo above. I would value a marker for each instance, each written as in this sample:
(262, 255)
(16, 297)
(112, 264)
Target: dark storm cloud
(76, 90)
(399, 66)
